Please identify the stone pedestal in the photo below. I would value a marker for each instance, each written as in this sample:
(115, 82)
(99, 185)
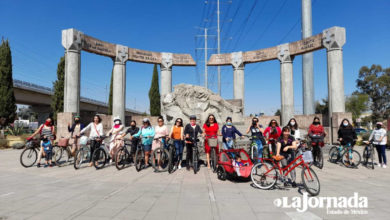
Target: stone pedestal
(71, 41)
(286, 84)
(166, 74)
(119, 83)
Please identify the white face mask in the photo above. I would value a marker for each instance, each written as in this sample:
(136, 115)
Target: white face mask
(345, 124)
(292, 123)
(117, 122)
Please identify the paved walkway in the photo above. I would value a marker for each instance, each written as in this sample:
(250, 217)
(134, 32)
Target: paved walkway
(65, 193)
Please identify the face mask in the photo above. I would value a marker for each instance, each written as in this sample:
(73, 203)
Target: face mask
(76, 121)
(117, 122)
(229, 124)
(133, 126)
(316, 123)
(254, 123)
(192, 123)
(48, 123)
(292, 123)
(378, 126)
(345, 124)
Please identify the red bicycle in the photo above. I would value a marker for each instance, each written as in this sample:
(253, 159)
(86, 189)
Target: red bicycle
(264, 175)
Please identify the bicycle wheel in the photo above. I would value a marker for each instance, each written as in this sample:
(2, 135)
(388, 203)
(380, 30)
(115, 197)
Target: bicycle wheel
(213, 159)
(320, 159)
(264, 175)
(160, 159)
(333, 154)
(139, 159)
(81, 159)
(351, 158)
(60, 156)
(310, 181)
(28, 157)
(366, 156)
(195, 160)
(99, 158)
(372, 166)
(254, 153)
(221, 173)
(121, 158)
(171, 159)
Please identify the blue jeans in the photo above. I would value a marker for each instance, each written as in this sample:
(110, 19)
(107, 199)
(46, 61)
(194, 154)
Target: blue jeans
(179, 149)
(227, 145)
(259, 148)
(381, 149)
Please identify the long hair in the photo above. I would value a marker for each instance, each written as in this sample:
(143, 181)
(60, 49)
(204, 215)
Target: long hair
(273, 120)
(293, 126)
(181, 122)
(99, 118)
(349, 124)
(315, 120)
(208, 121)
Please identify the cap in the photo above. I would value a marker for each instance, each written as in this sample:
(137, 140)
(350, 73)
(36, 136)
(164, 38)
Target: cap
(145, 120)
(117, 118)
(76, 116)
(192, 117)
(379, 123)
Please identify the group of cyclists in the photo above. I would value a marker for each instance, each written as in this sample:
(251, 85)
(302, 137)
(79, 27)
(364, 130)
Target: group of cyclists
(270, 141)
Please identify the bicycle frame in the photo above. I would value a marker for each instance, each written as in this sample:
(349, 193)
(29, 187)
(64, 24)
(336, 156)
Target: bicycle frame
(287, 169)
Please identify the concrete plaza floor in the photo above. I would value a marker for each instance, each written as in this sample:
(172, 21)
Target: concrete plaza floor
(66, 193)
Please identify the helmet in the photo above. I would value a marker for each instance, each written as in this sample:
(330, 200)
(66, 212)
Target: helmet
(192, 117)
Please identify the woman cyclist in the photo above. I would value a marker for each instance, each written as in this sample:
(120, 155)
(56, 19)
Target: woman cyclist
(257, 135)
(316, 133)
(211, 130)
(132, 130)
(346, 134)
(75, 131)
(286, 147)
(160, 130)
(272, 133)
(46, 131)
(191, 132)
(116, 137)
(177, 135)
(147, 133)
(229, 132)
(96, 130)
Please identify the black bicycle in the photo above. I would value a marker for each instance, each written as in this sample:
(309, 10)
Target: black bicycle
(368, 155)
(140, 156)
(194, 159)
(101, 155)
(212, 141)
(124, 157)
(29, 155)
(173, 160)
(160, 156)
(317, 142)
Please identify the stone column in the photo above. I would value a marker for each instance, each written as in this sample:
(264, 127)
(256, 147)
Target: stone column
(286, 83)
(307, 62)
(166, 74)
(119, 82)
(238, 77)
(333, 40)
(71, 41)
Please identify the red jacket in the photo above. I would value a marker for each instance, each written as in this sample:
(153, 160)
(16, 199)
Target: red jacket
(268, 135)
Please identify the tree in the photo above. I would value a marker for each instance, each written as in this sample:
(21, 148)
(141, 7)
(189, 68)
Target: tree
(154, 94)
(356, 104)
(7, 97)
(110, 95)
(375, 82)
(322, 107)
(57, 101)
(278, 113)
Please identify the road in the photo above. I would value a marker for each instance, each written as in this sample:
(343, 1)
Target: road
(65, 193)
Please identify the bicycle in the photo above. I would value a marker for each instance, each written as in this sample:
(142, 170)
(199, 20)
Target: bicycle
(253, 149)
(349, 157)
(140, 156)
(172, 166)
(83, 155)
(194, 160)
(317, 142)
(101, 154)
(212, 141)
(63, 147)
(368, 154)
(265, 174)
(123, 157)
(160, 156)
(29, 155)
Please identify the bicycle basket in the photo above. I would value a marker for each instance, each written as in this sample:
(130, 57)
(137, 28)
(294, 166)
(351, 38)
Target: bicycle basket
(213, 142)
(83, 140)
(63, 142)
(307, 156)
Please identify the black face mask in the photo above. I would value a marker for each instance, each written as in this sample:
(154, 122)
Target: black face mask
(316, 123)
(76, 121)
(254, 123)
(132, 126)
(378, 126)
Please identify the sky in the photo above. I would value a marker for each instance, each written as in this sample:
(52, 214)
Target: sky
(34, 31)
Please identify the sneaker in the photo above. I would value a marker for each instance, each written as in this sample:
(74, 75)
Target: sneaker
(379, 165)
(179, 167)
(38, 165)
(384, 166)
(294, 184)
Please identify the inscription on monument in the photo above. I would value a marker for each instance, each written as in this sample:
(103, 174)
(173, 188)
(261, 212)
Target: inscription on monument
(94, 45)
(306, 45)
(183, 60)
(144, 56)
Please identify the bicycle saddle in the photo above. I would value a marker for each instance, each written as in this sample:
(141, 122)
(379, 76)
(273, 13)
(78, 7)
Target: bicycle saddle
(277, 158)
